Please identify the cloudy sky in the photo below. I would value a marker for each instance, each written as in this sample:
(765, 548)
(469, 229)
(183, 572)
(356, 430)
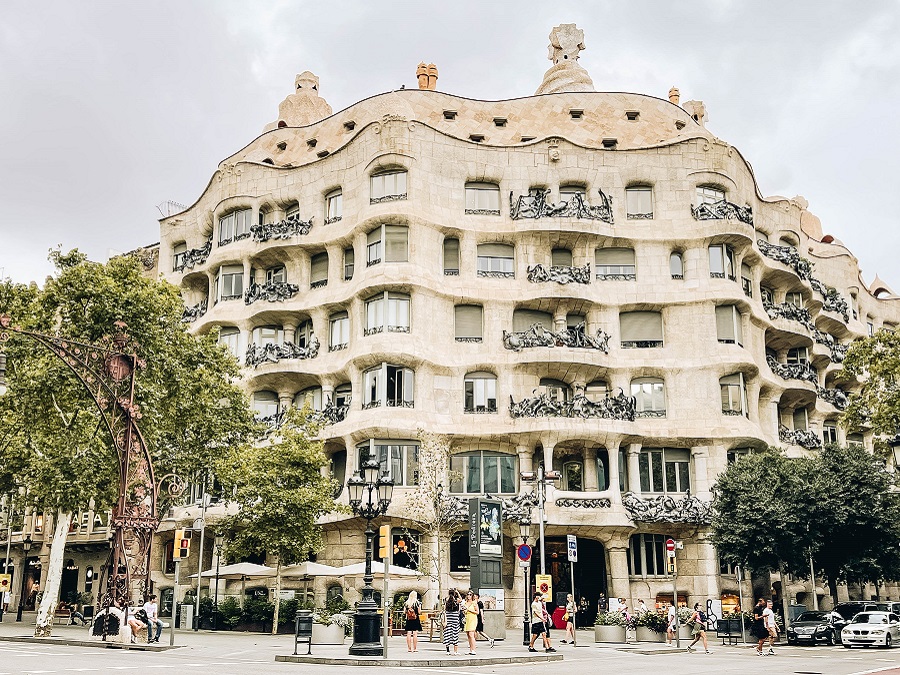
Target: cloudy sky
(109, 108)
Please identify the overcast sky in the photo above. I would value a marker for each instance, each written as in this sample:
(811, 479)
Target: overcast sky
(109, 108)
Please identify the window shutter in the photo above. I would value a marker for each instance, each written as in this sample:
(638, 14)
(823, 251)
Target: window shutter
(573, 320)
(523, 319)
(676, 265)
(640, 326)
(349, 256)
(614, 256)
(731, 379)
(451, 254)
(469, 321)
(395, 243)
(496, 250)
(374, 236)
(725, 324)
(318, 268)
(561, 256)
(716, 261)
(745, 271)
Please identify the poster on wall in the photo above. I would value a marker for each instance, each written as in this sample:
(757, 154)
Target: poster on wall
(490, 528)
(492, 598)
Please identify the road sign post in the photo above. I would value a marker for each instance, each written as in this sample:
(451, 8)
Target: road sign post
(572, 550)
(672, 564)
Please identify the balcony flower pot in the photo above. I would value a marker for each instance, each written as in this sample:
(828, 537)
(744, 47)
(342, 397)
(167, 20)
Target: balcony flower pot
(609, 634)
(327, 635)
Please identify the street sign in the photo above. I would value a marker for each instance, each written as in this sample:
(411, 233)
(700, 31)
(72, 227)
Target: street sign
(572, 548)
(524, 563)
(544, 584)
(523, 552)
(670, 545)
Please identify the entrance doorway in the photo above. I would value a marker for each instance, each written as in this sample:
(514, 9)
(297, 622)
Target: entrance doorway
(68, 587)
(590, 574)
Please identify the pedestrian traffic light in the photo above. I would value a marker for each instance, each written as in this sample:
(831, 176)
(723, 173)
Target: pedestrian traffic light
(182, 547)
(384, 542)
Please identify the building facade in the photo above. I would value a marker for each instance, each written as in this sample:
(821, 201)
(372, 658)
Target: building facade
(585, 281)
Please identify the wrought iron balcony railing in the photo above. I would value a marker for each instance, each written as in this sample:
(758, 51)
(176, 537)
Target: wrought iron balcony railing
(832, 300)
(790, 311)
(561, 274)
(273, 352)
(331, 413)
(802, 437)
(722, 210)
(618, 407)
(835, 397)
(291, 226)
(191, 314)
(275, 291)
(793, 371)
(786, 255)
(193, 257)
(573, 336)
(642, 344)
(536, 206)
(838, 350)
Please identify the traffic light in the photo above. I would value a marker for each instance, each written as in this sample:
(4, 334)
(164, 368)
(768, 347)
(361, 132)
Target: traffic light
(384, 543)
(671, 567)
(182, 547)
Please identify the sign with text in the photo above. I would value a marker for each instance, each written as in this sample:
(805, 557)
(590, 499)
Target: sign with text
(544, 584)
(486, 527)
(572, 547)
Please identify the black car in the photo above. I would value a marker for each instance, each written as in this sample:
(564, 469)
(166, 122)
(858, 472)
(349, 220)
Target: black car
(815, 627)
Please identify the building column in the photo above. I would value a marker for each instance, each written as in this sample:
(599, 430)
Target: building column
(526, 457)
(327, 394)
(548, 456)
(700, 461)
(619, 584)
(614, 492)
(285, 400)
(590, 470)
(290, 332)
(248, 269)
(211, 290)
(634, 468)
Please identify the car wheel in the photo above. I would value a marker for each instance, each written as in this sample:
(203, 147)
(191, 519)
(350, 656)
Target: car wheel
(887, 641)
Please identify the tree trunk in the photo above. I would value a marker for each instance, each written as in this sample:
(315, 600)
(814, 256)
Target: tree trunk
(277, 597)
(784, 597)
(44, 625)
(832, 588)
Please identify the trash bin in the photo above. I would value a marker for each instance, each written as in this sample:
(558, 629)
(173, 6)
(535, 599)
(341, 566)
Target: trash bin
(303, 622)
(186, 617)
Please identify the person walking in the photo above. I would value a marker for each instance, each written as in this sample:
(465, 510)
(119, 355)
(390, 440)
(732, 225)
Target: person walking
(771, 626)
(758, 629)
(471, 621)
(569, 618)
(538, 627)
(698, 628)
(479, 629)
(153, 620)
(451, 622)
(671, 623)
(412, 608)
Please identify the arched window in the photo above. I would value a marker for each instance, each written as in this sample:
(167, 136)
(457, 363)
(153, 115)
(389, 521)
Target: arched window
(483, 199)
(523, 319)
(334, 206)
(650, 396)
(179, 251)
(709, 194)
(615, 264)
(641, 330)
(573, 475)
(556, 389)
(721, 262)
(480, 392)
(676, 265)
(496, 260)
(334, 591)
(729, 325)
(451, 256)
(318, 270)
(639, 202)
(734, 394)
(568, 192)
(561, 257)
(388, 385)
(388, 186)
(483, 472)
(469, 323)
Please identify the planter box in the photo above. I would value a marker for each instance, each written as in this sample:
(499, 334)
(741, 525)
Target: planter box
(327, 635)
(609, 634)
(684, 633)
(644, 634)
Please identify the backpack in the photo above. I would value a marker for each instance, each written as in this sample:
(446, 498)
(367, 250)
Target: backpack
(411, 612)
(702, 616)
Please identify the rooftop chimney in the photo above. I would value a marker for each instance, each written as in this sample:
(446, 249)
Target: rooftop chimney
(674, 95)
(432, 76)
(422, 75)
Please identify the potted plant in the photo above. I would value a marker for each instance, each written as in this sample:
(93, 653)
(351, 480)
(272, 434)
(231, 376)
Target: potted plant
(609, 627)
(684, 631)
(650, 627)
(329, 628)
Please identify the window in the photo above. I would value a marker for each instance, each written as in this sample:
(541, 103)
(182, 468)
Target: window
(641, 330)
(234, 226)
(388, 242)
(853, 307)
(855, 440)
(469, 321)
(747, 280)
(266, 216)
(798, 355)
(567, 192)
(676, 265)
(555, 389)
(602, 469)
(649, 396)
(706, 194)
(342, 394)
(794, 298)
(615, 263)
(573, 475)
(496, 260)
(179, 251)
(729, 326)
(481, 393)
(318, 270)
(398, 459)
(311, 394)
(734, 394)
(767, 296)
(736, 454)
(388, 385)
(870, 328)
(388, 186)
(334, 206)
(451, 257)
(483, 199)
(829, 432)
(459, 553)
(373, 247)
(349, 260)
(230, 282)
(639, 202)
(483, 472)
(665, 470)
(303, 334)
(276, 275)
(395, 319)
(265, 403)
(596, 391)
(334, 591)
(340, 331)
(721, 262)
(523, 319)
(561, 257)
(267, 335)
(800, 419)
(231, 338)
(574, 320)
(292, 209)
(647, 555)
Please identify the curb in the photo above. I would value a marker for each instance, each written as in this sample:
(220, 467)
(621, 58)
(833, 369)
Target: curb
(88, 643)
(418, 663)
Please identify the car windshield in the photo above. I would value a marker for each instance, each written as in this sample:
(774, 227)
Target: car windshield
(813, 616)
(848, 611)
(870, 617)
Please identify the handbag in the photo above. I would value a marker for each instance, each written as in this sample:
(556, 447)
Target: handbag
(566, 616)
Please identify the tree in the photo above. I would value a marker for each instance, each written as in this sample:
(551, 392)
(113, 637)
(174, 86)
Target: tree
(876, 404)
(437, 515)
(55, 445)
(281, 493)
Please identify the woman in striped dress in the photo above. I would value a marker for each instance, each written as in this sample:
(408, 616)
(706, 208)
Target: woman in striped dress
(451, 619)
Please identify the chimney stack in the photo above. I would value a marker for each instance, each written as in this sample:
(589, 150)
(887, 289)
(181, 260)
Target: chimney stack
(432, 76)
(674, 95)
(422, 75)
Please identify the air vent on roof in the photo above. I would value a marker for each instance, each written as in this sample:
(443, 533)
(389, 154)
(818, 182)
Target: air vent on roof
(576, 114)
(500, 121)
(449, 114)
(679, 124)
(610, 143)
(632, 115)
(322, 153)
(312, 142)
(282, 145)
(349, 125)
(268, 160)
(525, 139)
(476, 138)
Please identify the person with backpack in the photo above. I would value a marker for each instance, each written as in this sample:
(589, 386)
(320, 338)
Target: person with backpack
(697, 623)
(411, 608)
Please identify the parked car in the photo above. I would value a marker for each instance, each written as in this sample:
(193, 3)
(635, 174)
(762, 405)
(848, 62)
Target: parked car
(850, 609)
(814, 627)
(871, 628)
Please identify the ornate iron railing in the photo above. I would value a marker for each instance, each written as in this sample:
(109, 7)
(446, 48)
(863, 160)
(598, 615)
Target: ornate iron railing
(331, 413)
(274, 291)
(536, 206)
(561, 274)
(273, 422)
(388, 198)
(273, 352)
(618, 407)
(291, 226)
(481, 410)
(790, 311)
(584, 503)
(793, 371)
(832, 300)
(650, 414)
(483, 212)
(470, 339)
(838, 350)
(802, 437)
(787, 255)
(496, 274)
(573, 336)
(641, 344)
(194, 257)
(835, 397)
(616, 272)
(639, 216)
(321, 283)
(722, 210)
(667, 509)
(332, 220)
(399, 403)
(191, 314)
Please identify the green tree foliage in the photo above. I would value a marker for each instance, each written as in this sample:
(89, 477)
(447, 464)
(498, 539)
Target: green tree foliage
(875, 361)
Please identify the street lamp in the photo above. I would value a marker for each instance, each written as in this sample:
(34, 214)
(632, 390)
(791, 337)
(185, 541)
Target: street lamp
(26, 546)
(525, 532)
(218, 543)
(894, 442)
(542, 479)
(370, 495)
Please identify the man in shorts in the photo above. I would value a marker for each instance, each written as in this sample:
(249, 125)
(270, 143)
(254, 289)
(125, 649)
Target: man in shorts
(671, 623)
(771, 626)
(538, 627)
(758, 630)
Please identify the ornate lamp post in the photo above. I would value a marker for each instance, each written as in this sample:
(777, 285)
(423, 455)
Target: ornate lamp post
(525, 532)
(219, 542)
(370, 495)
(26, 546)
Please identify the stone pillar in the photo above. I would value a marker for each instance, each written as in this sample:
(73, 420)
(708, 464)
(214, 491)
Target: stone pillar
(590, 470)
(700, 461)
(526, 457)
(753, 411)
(548, 456)
(248, 270)
(328, 395)
(290, 332)
(634, 468)
(352, 456)
(211, 290)
(615, 494)
(285, 400)
(617, 553)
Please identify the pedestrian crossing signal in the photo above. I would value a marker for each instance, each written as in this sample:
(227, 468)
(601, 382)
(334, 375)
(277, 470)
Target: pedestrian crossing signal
(182, 547)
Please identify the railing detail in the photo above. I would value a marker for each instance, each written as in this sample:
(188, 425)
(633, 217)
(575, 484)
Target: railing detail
(618, 407)
(561, 274)
(793, 371)
(722, 210)
(275, 291)
(195, 256)
(291, 226)
(802, 437)
(273, 352)
(191, 314)
(573, 336)
(537, 206)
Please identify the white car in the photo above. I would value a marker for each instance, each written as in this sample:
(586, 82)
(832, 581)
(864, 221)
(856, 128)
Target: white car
(871, 628)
